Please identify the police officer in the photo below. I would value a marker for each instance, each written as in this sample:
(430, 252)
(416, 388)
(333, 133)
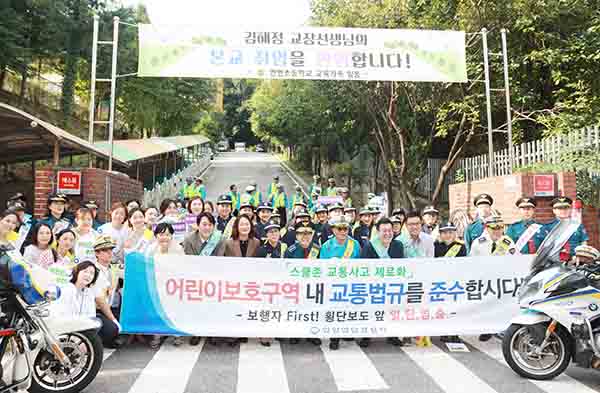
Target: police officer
(247, 209)
(333, 211)
(493, 241)
(224, 216)
(430, 221)
(272, 247)
(341, 246)
(526, 233)
(280, 203)
(57, 217)
(289, 234)
(350, 213)
(362, 233)
(20, 198)
(264, 213)
(396, 226)
(256, 196)
(448, 245)
(345, 194)
(320, 221)
(483, 203)
(298, 197)
(235, 197)
(299, 206)
(188, 190)
(272, 188)
(200, 189)
(315, 184)
(562, 208)
(304, 248)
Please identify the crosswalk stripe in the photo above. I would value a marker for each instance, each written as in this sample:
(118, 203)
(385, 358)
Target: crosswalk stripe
(306, 359)
(215, 370)
(394, 366)
(561, 384)
(352, 369)
(169, 369)
(500, 378)
(261, 369)
(451, 375)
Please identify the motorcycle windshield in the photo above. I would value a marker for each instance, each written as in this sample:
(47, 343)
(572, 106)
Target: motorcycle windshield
(549, 250)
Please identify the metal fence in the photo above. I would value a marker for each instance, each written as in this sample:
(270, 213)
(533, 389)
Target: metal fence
(549, 150)
(170, 187)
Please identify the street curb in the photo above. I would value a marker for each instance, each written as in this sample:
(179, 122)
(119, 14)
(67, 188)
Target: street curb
(295, 178)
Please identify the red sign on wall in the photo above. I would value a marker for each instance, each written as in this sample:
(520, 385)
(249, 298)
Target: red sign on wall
(543, 186)
(69, 182)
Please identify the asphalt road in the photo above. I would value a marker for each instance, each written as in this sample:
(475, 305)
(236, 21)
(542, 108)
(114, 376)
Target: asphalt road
(305, 368)
(240, 169)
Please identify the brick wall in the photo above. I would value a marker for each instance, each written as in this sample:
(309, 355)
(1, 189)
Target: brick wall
(507, 189)
(95, 183)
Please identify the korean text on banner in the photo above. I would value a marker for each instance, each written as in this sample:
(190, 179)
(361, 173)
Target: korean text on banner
(302, 53)
(248, 297)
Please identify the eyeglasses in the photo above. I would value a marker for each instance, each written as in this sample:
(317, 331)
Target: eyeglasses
(343, 229)
(495, 227)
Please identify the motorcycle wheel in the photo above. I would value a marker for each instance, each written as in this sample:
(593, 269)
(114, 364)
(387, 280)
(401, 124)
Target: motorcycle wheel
(84, 350)
(518, 346)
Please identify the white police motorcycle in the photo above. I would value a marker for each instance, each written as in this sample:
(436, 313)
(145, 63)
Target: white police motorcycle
(40, 351)
(560, 314)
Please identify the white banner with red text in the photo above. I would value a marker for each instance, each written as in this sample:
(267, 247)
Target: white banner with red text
(302, 53)
(253, 297)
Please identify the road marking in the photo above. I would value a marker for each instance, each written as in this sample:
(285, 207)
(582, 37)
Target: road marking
(561, 384)
(107, 353)
(169, 369)
(351, 368)
(450, 374)
(261, 369)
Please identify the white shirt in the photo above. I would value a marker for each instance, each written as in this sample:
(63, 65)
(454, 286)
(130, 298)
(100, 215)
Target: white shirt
(75, 302)
(84, 247)
(105, 285)
(422, 247)
(482, 246)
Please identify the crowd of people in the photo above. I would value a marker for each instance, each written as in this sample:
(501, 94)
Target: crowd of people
(255, 224)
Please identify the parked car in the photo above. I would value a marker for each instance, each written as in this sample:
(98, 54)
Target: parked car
(260, 149)
(240, 146)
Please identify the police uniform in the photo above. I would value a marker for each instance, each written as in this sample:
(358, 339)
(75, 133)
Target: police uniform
(296, 251)
(518, 229)
(485, 246)
(430, 229)
(475, 229)
(326, 232)
(221, 222)
(578, 238)
(57, 224)
(267, 250)
(289, 237)
(259, 228)
(449, 250)
(362, 232)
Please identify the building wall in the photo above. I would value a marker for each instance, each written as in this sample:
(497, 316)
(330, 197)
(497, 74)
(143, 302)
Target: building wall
(507, 189)
(97, 184)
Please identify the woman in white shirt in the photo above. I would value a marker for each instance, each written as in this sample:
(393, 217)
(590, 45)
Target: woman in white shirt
(117, 229)
(140, 237)
(77, 298)
(86, 235)
(164, 244)
(41, 241)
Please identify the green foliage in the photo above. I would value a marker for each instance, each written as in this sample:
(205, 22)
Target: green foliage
(211, 125)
